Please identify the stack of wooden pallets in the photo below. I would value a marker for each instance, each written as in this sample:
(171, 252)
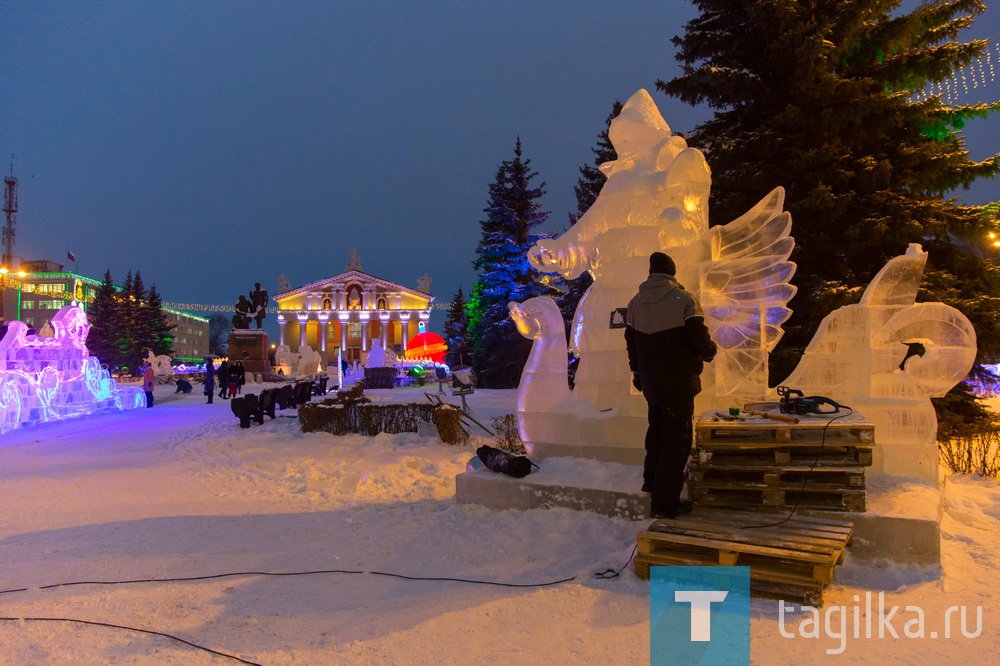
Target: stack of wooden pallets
(790, 559)
(818, 463)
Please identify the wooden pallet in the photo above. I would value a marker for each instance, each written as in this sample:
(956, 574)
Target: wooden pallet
(852, 430)
(767, 474)
(813, 440)
(791, 559)
(808, 495)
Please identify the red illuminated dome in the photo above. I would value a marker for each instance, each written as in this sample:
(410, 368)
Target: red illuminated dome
(427, 345)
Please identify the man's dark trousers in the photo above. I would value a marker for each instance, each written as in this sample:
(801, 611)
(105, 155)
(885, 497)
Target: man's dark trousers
(668, 445)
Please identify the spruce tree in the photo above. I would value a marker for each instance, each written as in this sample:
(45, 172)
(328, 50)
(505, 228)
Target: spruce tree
(822, 99)
(456, 333)
(101, 315)
(513, 211)
(161, 330)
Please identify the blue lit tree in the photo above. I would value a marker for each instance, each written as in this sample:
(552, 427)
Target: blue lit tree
(513, 211)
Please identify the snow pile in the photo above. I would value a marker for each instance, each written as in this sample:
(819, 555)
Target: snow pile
(179, 490)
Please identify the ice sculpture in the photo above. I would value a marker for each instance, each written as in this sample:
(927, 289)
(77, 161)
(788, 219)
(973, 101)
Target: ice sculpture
(859, 357)
(656, 198)
(47, 379)
(162, 366)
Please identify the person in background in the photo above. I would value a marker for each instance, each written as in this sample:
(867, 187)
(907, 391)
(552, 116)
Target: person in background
(209, 380)
(668, 345)
(223, 374)
(148, 379)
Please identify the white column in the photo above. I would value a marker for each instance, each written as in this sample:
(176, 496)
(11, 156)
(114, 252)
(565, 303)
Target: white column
(323, 324)
(343, 317)
(404, 319)
(384, 323)
(303, 318)
(281, 329)
(365, 331)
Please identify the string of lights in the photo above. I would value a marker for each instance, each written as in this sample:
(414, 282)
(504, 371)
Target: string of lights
(977, 74)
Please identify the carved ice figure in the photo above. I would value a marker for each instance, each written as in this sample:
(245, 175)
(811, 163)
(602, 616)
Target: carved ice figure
(656, 198)
(376, 357)
(51, 378)
(161, 364)
(857, 358)
(309, 361)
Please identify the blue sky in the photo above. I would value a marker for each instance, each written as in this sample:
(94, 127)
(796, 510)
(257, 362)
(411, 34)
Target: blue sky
(215, 144)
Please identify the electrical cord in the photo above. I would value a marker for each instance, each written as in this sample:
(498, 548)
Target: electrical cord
(607, 573)
(136, 629)
(805, 479)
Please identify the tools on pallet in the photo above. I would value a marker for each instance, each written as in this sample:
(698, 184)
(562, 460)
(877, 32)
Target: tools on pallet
(793, 401)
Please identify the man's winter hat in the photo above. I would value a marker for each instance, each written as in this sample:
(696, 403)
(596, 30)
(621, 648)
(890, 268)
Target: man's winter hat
(661, 263)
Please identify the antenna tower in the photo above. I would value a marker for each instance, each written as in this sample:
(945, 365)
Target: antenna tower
(9, 209)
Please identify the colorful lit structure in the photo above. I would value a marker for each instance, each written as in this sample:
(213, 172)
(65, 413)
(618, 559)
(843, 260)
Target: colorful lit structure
(346, 313)
(49, 379)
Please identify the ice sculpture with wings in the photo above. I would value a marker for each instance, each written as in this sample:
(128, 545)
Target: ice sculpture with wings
(656, 199)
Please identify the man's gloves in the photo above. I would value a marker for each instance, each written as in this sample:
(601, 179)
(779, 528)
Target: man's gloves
(636, 383)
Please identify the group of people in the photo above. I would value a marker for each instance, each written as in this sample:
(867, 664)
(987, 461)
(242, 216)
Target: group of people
(232, 377)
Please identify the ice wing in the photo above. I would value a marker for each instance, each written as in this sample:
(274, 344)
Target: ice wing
(743, 286)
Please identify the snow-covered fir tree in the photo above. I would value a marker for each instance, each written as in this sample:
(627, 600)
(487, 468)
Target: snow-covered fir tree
(456, 332)
(513, 211)
(127, 322)
(822, 99)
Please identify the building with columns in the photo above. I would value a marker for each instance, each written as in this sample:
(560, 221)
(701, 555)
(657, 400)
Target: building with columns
(347, 312)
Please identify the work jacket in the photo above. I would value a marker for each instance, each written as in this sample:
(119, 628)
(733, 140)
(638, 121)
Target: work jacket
(667, 340)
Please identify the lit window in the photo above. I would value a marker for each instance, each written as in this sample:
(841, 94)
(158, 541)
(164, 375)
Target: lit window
(28, 305)
(354, 329)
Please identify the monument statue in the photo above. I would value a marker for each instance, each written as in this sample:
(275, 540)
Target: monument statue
(353, 260)
(241, 316)
(284, 284)
(424, 283)
(258, 303)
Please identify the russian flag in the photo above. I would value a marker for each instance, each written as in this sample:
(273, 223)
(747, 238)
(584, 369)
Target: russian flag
(70, 256)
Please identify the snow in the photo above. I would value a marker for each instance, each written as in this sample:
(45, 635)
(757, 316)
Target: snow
(179, 490)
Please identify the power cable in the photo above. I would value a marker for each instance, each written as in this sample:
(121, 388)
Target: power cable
(126, 628)
(607, 573)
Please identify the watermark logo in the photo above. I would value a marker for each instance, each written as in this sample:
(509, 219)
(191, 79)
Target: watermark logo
(871, 617)
(699, 615)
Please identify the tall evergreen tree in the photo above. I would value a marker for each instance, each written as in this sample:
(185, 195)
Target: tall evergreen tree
(513, 211)
(456, 333)
(101, 341)
(818, 97)
(161, 330)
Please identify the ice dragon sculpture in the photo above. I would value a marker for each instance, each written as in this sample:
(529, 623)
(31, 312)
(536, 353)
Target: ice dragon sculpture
(656, 198)
(860, 357)
(47, 379)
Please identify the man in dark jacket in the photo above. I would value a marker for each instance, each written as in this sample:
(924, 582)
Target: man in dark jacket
(667, 344)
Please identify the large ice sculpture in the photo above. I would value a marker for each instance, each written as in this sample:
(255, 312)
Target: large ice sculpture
(656, 198)
(859, 358)
(46, 379)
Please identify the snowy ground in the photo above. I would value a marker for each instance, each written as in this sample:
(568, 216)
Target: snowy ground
(179, 491)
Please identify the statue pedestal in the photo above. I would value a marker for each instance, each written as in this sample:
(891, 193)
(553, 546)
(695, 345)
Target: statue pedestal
(249, 347)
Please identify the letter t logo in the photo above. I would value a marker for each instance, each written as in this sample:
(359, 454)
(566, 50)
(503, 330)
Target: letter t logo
(701, 610)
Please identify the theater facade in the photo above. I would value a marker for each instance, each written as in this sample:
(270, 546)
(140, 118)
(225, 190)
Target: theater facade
(348, 312)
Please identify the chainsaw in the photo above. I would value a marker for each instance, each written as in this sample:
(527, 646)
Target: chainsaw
(794, 402)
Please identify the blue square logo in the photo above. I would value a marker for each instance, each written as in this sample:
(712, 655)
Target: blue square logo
(699, 615)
